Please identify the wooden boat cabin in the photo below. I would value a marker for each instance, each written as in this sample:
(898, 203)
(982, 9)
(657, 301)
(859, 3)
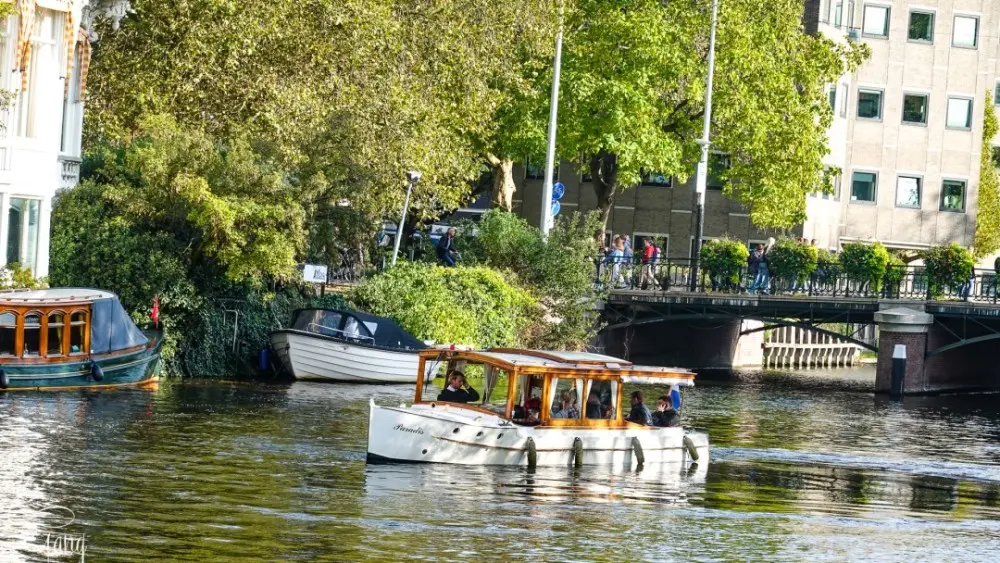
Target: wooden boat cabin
(59, 325)
(551, 389)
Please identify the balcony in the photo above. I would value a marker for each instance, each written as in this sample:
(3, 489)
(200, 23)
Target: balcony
(70, 171)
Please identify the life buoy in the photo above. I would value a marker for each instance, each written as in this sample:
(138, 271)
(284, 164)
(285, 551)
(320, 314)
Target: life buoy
(96, 372)
(4, 380)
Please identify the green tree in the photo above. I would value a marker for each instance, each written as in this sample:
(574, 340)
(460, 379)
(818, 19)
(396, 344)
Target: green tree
(634, 75)
(723, 259)
(947, 267)
(987, 238)
(865, 263)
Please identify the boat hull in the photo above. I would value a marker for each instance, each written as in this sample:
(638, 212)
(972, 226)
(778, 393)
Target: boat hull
(442, 433)
(131, 369)
(314, 358)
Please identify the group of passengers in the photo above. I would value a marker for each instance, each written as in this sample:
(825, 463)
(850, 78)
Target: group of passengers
(598, 405)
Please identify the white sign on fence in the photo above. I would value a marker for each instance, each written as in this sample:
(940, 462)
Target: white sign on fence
(314, 273)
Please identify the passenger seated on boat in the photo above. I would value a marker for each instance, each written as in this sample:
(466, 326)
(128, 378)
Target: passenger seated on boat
(639, 413)
(594, 410)
(458, 390)
(665, 414)
(567, 406)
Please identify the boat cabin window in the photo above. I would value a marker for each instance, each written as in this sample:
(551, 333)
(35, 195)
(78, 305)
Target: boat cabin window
(56, 334)
(8, 333)
(355, 329)
(32, 335)
(528, 408)
(319, 322)
(567, 396)
(78, 327)
(602, 396)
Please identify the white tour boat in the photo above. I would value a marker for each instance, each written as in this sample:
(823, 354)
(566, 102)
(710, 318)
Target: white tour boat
(336, 345)
(521, 419)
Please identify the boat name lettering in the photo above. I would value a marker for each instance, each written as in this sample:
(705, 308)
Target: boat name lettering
(402, 428)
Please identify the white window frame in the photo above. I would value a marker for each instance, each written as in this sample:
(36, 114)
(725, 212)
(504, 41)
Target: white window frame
(920, 190)
(881, 103)
(874, 200)
(965, 194)
(969, 115)
(979, 30)
(864, 20)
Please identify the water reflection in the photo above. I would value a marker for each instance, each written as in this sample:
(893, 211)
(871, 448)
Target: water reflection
(803, 467)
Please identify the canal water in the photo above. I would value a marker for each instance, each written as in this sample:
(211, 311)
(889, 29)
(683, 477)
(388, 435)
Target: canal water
(807, 467)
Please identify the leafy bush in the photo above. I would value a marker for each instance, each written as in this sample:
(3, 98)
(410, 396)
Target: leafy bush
(559, 270)
(791, 260)
(470, 305)
(865, 263)
(894, 272)
(947, 267)
(723, 259)
(827, 266)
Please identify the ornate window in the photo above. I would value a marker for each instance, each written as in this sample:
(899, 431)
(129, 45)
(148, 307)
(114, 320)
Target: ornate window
(77, 333)
(56, 334)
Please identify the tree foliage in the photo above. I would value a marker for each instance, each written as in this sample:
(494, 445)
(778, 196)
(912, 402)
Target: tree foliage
(947, 267)
(724, 259)
(987, 238)
(470, 305)
(865, 263)
(634, 76)
(792, 260)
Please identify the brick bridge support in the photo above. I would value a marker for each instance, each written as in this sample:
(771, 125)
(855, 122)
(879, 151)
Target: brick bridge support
(967, 368)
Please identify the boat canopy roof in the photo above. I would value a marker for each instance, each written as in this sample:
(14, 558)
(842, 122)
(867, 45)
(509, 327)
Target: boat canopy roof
(381, 331)
(578, 364)
(111, 328)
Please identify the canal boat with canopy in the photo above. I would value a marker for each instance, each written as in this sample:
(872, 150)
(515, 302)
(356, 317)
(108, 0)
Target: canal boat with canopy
(69, 338)
(526, 414)
(342, 345)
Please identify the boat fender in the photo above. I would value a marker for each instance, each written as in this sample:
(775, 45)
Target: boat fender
(264, 360)
(577, 452)
(4, 380)
(640, 458)
(529, 446)
(96, 372)
(691, 449)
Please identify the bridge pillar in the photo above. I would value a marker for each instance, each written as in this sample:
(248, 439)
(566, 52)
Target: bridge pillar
(908, 327)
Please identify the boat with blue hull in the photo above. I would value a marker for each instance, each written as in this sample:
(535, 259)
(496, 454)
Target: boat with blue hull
(70, 338)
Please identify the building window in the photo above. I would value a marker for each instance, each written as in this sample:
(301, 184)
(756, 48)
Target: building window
(832, 93)
(838, 13)
(863, 186)
(876, 21)
(959, 113)
(533, 170)
(922, 27)
(996, 94)
(22, 231)
(953, 196)
(718, 165)
(843, 100)
(908, 191)
(833, 180)
(870, 104)
(56, 335)
(915, 109)
(966, 32)
(656, 179)
(43, 66)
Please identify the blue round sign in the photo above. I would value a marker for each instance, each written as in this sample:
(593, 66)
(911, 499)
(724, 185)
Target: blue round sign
(555, 208)
(558, 191)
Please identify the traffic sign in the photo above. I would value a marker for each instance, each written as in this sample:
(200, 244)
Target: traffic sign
(555, 208)
(558, 191)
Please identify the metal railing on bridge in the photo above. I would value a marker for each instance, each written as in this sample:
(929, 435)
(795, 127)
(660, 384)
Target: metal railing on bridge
(907, 283)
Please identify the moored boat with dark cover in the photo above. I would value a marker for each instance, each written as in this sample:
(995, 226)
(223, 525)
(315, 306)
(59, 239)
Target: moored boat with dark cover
(68, 338)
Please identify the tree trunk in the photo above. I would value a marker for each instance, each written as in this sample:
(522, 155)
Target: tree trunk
(604, 174)
(502, 191)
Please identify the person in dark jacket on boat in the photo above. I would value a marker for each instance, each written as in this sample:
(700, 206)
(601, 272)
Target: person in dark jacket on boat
(639, 413)
(594, 410)
(458, 390)
(665, 414)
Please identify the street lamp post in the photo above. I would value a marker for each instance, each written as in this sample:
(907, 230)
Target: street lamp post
(550, 151)
(412, 177)
(706, 143)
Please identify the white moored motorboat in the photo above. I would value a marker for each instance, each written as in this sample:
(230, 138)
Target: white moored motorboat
(527, 415)
(335, 345)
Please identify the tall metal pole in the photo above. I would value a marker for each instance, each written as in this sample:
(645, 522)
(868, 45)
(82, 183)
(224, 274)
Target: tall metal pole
(402, 221)
(550, 152)
(706, 143)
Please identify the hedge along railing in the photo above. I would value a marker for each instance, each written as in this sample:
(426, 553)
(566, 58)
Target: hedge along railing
(899, 282)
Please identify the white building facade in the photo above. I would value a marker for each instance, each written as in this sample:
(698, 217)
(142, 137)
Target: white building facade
(43, 58)
(908, 127)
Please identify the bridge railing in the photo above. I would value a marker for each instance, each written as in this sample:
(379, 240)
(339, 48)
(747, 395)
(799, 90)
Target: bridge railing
(909, 282)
